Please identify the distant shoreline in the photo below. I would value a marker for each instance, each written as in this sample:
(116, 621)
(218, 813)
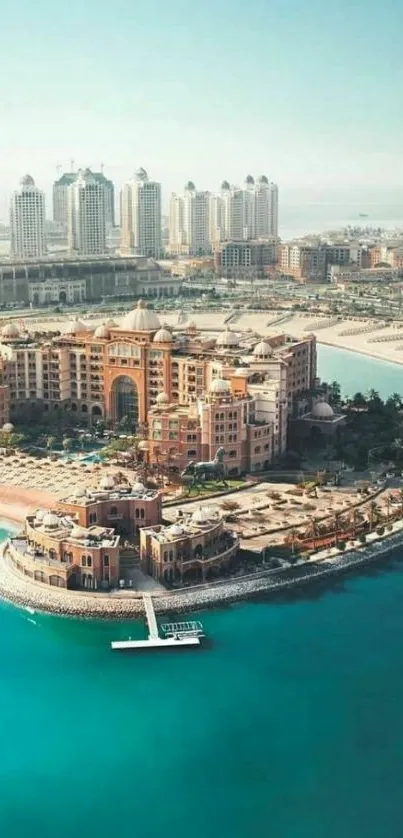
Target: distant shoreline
(358, 351)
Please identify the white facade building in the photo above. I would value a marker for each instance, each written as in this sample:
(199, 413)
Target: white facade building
(27, 221)
(141, 216)
(86, 215)
(190, 222)
(241, 214)
(61, 193)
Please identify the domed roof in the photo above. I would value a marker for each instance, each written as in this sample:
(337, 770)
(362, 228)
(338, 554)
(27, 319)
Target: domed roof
(8, 428)
(27, 180)
(107, 482)
(141, 174)
(39, 515)
(10, 331)
(76, 326)
(227, 338)
(163, 336)
(202, 515)
(190, 187)
(262, 350)
(143, 445)
(111, 324)
(50, 520)
(141, 319)
(322, 410)
(263, 179)
(249, 180)
(162, 398)
(80, 492)
(219, 385)
(78, 532)
(138, 487)
(191, 325)
(225, 185)
(175, 530)
(101, 331)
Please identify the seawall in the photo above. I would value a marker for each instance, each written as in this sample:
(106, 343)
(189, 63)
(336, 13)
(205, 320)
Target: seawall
(121, 606)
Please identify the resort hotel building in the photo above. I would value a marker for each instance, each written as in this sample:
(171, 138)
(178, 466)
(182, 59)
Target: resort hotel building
(190, 393)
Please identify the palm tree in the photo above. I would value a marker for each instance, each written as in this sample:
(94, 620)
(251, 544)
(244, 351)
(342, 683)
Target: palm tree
(373, 515)
(67, 444)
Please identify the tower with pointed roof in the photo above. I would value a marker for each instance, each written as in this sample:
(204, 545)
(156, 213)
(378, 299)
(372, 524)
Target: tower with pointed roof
(27, 221)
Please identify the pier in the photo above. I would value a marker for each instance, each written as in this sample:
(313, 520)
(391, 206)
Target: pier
(175, 634)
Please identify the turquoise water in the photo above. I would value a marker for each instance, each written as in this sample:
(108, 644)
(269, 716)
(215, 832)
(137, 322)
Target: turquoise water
(289, 724)
(357, 372)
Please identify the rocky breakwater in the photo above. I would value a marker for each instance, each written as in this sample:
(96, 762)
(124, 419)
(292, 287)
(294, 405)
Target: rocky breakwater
(25, 592)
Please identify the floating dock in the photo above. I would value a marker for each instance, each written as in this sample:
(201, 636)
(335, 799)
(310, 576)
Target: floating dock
(176, 634)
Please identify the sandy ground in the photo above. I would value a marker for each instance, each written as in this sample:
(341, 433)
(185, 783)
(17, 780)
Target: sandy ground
(16, 503)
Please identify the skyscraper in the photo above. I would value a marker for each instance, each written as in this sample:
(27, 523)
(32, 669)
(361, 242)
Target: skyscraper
(266, 208)
(86, 215)
(241, 214)
(189, 222)
(141, 216)
(27, 221)
(60, 198)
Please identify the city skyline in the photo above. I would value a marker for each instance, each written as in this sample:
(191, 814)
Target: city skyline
(302, 100)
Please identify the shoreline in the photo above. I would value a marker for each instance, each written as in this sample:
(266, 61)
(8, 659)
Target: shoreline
(358, 351)
(25, 593)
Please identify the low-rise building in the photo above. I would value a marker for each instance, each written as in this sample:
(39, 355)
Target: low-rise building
(57, 551)
(196, 548)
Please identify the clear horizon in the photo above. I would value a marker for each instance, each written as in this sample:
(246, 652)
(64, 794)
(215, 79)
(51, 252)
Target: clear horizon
(304, 93)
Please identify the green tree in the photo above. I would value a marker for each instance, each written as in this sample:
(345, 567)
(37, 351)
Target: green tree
(335, 393)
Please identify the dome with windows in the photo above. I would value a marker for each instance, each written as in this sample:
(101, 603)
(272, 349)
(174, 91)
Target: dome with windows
(190, 187)
(11, 330)
(7, 428)
(249, 180)
(102, 332)
(50, 520)
(141, 319)
(141, 174)
(219, 385)
(262, 350)
(225, 185)
(162, 336)
(322, 411)
(263, 179)
(107, 482)
(227, 338)
(162, 398)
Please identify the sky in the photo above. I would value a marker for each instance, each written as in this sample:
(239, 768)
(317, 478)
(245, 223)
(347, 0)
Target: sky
(307, 93)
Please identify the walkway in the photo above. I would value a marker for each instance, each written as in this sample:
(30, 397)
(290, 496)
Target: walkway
(151, 618)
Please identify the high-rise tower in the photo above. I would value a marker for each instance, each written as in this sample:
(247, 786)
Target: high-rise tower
(27, 221)
(141, 216)
(86, 215)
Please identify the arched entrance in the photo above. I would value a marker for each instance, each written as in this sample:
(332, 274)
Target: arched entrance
(62, 297)
(124, 399)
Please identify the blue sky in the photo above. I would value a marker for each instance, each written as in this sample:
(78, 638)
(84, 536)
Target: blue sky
(308, 93)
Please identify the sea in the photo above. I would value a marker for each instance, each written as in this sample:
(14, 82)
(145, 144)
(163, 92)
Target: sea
(288, 723)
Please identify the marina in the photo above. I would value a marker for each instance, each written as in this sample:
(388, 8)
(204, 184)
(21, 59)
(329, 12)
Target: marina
(188, 633)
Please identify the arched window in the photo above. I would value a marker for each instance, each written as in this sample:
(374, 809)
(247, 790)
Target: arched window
(114, 510)
(141, 513)
(89, 561)
(84, 408)
(84, 561)
(96, 410)
(137, 513)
